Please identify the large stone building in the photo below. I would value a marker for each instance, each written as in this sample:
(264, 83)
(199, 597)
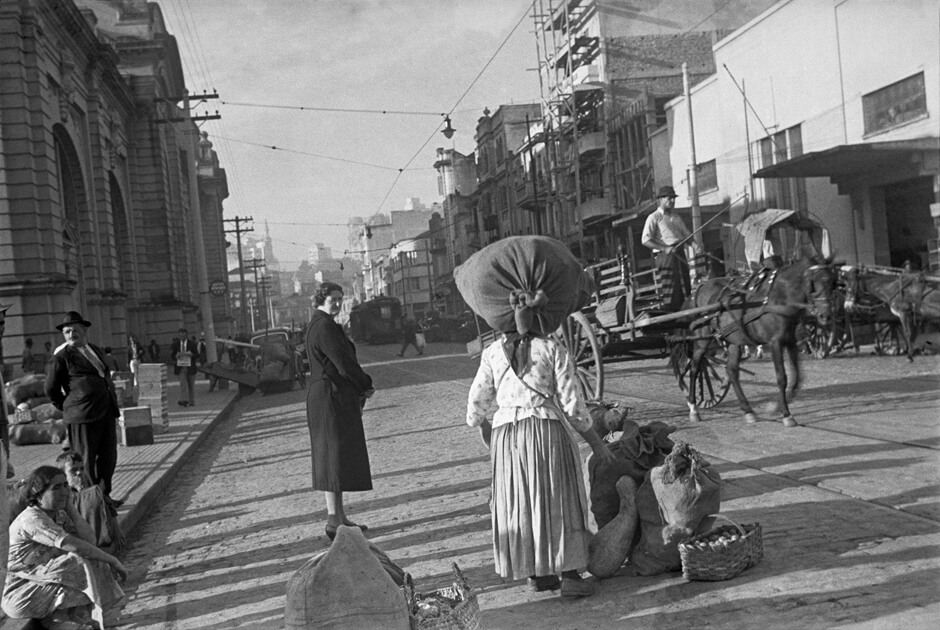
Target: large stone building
(105, 177)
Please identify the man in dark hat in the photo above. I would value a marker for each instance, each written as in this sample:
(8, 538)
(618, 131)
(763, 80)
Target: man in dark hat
(78, 382)
(666, 234)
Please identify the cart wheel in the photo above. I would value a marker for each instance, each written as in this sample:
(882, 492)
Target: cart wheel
(888, 338)
(817, 340)
(579, 338)
(712, 383)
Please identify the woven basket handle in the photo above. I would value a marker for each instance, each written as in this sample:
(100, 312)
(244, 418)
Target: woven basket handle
(725, 518)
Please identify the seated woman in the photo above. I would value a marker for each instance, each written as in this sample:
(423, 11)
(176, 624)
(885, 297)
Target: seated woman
(56, 574)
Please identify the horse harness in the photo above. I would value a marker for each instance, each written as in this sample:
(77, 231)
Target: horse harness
(735, 300)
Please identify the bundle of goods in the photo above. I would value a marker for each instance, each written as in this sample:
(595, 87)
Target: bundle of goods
(452, 608)
(40, 425)
(350, 586)
(672, 504)
(613, 489)
(524, 284)
(28, 389)
(721, 553)
(607, 417)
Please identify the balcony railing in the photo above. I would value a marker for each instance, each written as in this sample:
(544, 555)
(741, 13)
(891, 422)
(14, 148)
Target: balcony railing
(531, 195)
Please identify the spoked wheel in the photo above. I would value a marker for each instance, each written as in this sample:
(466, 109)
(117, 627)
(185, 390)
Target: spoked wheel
(888, 338)
(711, 383)
(818, 340)
(585, 351)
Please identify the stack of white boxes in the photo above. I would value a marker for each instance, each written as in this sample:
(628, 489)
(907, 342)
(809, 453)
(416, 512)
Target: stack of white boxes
(151, 392)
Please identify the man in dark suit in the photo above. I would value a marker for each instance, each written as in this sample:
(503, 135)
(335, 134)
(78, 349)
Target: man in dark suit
(183, 354)
(78, 382)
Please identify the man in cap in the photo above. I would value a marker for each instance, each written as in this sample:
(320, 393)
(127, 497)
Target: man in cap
(78, 382)
(666, 234)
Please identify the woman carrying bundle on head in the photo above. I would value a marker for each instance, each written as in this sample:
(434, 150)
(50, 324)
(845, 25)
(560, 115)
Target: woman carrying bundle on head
(525, 287)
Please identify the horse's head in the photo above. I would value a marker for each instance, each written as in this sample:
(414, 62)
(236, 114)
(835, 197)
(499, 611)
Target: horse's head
(852, 281)
(819, 287)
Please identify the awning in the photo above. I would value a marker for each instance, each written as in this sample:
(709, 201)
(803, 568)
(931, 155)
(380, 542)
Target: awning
(852, 159)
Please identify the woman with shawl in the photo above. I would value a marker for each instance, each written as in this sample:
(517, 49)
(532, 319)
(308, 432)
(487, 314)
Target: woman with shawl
(539, 505)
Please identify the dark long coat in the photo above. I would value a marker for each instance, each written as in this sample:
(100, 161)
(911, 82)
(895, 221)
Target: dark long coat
(74, 385)
(334, 410)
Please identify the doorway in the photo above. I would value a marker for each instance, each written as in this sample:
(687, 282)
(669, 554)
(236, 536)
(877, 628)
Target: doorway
(910, 226)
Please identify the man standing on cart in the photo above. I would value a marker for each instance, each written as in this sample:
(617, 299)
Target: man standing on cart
(666, 234)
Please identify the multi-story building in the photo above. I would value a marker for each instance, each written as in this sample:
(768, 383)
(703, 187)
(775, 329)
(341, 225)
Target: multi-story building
(497, 136)
(606, 72)
(456, 180)
(829, 109)
(102, 194)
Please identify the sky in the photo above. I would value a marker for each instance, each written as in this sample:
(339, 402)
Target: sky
(268, 58)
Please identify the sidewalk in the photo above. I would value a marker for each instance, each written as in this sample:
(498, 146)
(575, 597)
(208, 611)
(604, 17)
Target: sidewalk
(143, 472)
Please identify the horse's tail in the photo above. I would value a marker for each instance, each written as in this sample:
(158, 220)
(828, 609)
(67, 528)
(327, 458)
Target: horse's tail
(679, 357)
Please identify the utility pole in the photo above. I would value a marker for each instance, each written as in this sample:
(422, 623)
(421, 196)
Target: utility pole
(256, 264)
(263, 282)
(693, 173)
(197, 246)
(238, 231)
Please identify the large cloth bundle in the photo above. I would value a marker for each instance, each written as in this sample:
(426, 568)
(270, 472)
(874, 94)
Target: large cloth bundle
(524, 284)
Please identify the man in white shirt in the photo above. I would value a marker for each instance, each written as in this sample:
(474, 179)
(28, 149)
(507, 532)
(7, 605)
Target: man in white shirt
(666, 234)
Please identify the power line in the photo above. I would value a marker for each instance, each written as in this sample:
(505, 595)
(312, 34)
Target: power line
(344, 110)
(317, 155)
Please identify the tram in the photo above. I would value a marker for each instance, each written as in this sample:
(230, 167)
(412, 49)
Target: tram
(376, 321)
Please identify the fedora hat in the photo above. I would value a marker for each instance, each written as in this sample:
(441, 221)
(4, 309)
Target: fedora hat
(666, 191)
(72, 318)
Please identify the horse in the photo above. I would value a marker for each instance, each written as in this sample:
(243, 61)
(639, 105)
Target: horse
(764, 309)
(909, 296)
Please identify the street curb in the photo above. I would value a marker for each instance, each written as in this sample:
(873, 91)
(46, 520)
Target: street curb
(130, 519)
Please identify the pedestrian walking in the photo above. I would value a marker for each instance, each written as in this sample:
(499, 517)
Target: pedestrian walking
(666, 234)
(409, 331)
(183, 354)
(539, 506)
(78, 383)
(337, 392)
(28, 356)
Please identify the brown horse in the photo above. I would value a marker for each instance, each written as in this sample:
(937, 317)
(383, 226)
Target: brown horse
(764, 309)
(910, 296)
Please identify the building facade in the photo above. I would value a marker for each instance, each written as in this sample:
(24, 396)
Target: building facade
(100, 200)
(841, 124)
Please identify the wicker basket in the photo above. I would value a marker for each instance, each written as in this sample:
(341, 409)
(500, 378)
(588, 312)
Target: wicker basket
(464, 614)
(714, 561)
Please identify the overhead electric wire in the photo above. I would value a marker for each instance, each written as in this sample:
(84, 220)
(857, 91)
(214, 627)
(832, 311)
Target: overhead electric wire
(499, 48)
(318, 155)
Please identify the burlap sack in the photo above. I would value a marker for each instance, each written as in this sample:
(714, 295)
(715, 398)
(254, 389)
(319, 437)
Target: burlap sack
(533, 267)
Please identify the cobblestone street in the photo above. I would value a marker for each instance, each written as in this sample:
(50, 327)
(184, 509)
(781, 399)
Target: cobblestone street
(848, 504)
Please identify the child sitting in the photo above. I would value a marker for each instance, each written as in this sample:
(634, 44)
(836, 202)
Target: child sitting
(91, 502)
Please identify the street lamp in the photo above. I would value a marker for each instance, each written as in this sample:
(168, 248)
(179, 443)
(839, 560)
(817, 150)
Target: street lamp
(448, 129)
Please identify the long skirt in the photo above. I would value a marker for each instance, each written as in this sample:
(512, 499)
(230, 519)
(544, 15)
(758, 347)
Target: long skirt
(539, 505)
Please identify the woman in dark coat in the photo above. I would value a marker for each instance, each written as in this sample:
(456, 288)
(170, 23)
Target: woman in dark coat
(337, 391)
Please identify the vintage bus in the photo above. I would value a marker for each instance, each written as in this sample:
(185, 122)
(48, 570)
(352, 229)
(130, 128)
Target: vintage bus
(376, 321)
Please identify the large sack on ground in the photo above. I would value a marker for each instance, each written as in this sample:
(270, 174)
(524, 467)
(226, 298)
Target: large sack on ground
(46, 413)
(35, 433)
(672, 502)
(543, 269)
(35, 401)
(346, 588)
(638, 450)
(25, 387)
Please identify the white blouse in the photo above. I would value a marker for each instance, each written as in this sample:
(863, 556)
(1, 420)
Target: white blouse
(550, 372)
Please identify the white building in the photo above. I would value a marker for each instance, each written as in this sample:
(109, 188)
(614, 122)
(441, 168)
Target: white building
(842, 108)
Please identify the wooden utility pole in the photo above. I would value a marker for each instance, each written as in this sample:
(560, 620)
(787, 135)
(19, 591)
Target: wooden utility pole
(693, 173)
(238, 231)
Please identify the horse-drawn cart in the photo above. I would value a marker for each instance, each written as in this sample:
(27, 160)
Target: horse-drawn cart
(626, 320)
(271, 362)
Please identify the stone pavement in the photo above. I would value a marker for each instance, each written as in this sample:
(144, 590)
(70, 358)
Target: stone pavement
(143, 472)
